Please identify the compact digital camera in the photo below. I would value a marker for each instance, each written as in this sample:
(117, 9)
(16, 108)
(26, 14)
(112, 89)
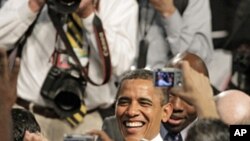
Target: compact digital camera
(77, 137)
(64, 88)
(63, 6)
(167, 77)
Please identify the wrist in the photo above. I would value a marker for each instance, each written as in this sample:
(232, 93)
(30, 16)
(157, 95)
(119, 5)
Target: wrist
(86, 12)
(168, 12)
(207, 110)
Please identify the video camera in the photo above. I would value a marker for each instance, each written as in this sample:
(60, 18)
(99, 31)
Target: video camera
(64, 88)
(63, 6)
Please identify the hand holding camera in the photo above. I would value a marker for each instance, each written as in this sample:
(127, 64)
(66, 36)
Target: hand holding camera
(36, 5)
(86, 7)
(165, 7)
(196, 88)
(167, 77)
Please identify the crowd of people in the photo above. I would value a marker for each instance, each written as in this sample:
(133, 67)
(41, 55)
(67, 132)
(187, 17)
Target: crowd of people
(138, 38)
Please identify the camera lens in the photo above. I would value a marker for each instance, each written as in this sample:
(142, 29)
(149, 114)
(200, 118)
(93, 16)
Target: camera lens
(68, 2)
(67, 101)
(63, 6)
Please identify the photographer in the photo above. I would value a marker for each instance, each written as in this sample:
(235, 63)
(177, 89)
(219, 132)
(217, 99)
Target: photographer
(119, 25)
(169, 27)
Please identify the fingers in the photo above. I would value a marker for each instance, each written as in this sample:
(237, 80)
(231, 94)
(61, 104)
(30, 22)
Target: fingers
(196, 86)
(185, 68)
(36, 5)
(101, 134)
(191, 81)
(33, 137)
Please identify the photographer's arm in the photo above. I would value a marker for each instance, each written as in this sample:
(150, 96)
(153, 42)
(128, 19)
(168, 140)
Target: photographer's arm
(165, 7)
(190, 31)
(36, 5)
(15, 16)
(86, 8)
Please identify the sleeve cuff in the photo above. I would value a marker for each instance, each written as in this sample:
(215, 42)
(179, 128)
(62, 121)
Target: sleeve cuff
(173, 23)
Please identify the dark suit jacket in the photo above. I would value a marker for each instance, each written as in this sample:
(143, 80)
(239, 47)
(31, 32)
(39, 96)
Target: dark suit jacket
(110, 126)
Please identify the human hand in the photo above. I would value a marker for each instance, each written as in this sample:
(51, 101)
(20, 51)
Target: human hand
(196, 90)
(101, 134)
(86, 7)
(8, 81)
(165, 7)
(34, 137)
(36, 5)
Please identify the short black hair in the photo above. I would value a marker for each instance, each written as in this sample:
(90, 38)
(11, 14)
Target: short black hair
(208, 129)
(142, 74)
(23, 120)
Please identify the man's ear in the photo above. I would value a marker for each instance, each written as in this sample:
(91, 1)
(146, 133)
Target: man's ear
(167, 111)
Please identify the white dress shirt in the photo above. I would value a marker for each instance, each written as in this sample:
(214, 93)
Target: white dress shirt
(119, 20)
(190, 31)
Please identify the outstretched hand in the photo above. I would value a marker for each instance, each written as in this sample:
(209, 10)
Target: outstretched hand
(101, 134)
(196, 90)
(8, 83)
(34, 137)
(165, 7)
(36, 5)
(86, 7)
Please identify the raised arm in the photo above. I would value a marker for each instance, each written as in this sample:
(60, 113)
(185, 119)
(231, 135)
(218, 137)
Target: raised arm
(190, 31)
(8, 82)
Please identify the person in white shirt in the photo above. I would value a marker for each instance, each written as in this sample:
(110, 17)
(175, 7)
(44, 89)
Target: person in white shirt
(170, 27)
(119, 21)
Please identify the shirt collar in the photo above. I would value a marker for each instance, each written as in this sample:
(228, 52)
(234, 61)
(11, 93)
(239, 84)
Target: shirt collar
(164, 131)
(157, 138)
(185, 130)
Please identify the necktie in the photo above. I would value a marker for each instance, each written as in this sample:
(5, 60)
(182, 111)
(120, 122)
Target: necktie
(75, 36)
(173, 137)
(75, 30)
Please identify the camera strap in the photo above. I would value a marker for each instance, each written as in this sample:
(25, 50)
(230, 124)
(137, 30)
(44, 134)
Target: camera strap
(16, 51)
(101, 43)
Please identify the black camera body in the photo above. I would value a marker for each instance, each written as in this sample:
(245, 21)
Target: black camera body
(241, 61)
(63, 6)
(64, 90)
